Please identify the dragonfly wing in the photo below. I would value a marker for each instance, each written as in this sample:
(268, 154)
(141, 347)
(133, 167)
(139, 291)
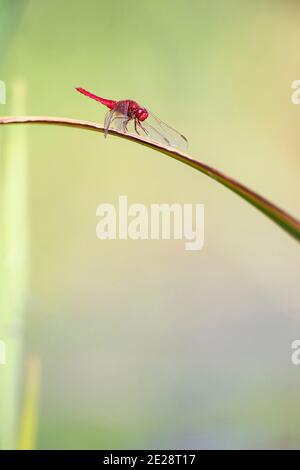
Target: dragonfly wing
(152, 133)
(159, 131)
(117, 118)
(107, 121)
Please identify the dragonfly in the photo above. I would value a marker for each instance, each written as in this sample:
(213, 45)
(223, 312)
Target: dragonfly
(123, 113)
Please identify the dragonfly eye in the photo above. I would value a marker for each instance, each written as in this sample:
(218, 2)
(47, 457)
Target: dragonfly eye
(142, 114)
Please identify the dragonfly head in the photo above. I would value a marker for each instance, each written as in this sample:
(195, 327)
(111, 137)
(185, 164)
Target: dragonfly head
(141, 114)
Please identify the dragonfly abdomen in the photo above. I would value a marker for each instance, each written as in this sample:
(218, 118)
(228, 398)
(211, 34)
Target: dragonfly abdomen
(109, 103)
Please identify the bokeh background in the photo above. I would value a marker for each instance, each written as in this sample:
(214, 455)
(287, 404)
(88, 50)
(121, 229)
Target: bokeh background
(141, 344)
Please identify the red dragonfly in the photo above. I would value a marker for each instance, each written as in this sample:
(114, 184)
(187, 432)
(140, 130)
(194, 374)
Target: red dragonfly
(122, 113)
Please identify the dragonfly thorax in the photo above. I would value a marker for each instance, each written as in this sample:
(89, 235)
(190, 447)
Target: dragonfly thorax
(135, 111)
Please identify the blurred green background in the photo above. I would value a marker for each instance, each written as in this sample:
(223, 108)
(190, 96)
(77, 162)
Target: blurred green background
(142, 344)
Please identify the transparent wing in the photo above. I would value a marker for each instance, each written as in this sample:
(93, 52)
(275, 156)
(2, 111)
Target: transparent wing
(157, 130)
(116, 118)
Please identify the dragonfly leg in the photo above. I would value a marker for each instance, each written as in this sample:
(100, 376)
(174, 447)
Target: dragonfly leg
(135, 127)
(125, 125)
(142, 127)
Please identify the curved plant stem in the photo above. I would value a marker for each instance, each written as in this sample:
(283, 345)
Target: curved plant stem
(279, 216)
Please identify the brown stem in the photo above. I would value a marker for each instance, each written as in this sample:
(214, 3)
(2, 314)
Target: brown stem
(282, 218)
